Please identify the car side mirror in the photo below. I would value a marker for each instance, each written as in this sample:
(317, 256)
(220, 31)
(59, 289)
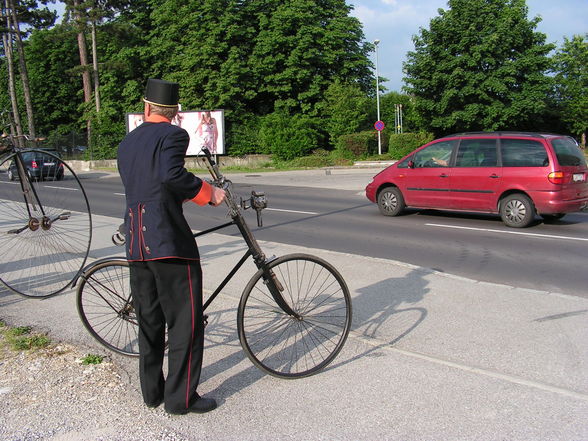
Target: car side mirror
(410, 164)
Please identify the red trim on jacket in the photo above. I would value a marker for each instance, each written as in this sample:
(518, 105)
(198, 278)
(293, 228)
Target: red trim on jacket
(204, 196)
(163, 258)
(132, 231)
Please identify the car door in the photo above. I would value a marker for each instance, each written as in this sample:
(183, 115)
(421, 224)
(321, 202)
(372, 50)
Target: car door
(475, 178)
(427, 178)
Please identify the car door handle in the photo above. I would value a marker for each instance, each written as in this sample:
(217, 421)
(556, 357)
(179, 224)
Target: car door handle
(443, 175)
(494, 176)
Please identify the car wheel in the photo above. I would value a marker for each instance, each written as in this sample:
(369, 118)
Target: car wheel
(517, 211)
(10, 175)
(391, 201)
(552, 217)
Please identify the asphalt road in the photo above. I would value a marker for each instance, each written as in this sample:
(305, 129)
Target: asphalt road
(548, 257)
(431, 355)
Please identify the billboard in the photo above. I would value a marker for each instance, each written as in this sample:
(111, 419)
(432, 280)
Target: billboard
(205, 127)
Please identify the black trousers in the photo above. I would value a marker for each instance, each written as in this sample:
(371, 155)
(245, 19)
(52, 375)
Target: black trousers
(169, 291)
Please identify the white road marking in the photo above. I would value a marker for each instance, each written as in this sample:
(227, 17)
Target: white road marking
(62, 188)
(292, 211)
(519, 233)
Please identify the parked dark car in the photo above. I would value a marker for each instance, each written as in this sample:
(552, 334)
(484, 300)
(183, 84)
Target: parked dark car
(515, 174)
(39, 166)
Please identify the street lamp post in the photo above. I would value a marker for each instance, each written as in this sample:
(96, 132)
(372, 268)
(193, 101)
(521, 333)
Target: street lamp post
(376, 42)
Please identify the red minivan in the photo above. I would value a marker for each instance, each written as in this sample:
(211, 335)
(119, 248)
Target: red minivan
(515, 174)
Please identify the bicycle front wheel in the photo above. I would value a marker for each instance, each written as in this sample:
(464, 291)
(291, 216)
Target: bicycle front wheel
(45, 224)
(304, 340)
(105, 306)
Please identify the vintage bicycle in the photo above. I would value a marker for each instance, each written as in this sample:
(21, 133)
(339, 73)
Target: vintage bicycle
(293, 318)
(45, 220)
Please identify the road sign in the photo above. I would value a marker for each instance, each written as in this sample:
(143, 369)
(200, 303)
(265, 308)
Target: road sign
(379, 125)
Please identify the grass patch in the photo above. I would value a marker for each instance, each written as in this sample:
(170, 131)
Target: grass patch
(21, 338)
(92, 359)
(318, 159)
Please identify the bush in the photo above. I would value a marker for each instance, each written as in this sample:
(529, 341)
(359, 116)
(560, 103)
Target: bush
(362, 144)
(402, 144)
(287, 137)
(243, 136)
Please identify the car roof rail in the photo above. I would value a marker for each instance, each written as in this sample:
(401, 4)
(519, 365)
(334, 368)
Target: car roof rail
(504, 133)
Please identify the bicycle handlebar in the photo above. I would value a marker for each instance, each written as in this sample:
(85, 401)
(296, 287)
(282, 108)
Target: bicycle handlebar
(257, 201)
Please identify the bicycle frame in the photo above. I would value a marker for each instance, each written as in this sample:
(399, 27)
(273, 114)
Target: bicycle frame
(254, 249)
(30, 196)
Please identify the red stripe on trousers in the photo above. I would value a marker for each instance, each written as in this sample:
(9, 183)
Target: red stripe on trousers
(191, 339)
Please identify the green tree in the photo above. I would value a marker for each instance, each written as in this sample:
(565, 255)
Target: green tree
(51, 55)
(302, 47)
(571, 81)
(344, 110)
(479, 66)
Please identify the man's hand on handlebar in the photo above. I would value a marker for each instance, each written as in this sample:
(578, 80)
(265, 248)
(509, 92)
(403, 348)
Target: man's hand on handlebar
(217, 197)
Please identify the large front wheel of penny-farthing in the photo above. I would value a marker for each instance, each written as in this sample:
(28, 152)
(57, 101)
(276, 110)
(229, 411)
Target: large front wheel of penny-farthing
(307, 332)
(45, 223)
(105, 306)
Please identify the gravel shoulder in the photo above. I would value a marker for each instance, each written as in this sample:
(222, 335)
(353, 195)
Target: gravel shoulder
(48, 394)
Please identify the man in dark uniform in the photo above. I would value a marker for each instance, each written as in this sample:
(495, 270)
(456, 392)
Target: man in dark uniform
(166, 277)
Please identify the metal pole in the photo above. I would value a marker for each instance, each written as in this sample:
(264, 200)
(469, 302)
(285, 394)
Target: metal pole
(376, 42)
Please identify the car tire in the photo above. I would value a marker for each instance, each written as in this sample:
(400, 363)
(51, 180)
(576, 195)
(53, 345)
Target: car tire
(391, 201)
(552, 217)
(11, 175)
(517, 210)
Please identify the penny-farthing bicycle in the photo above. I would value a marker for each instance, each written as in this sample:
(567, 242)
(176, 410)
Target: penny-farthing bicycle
(293, 317)
(45, 221)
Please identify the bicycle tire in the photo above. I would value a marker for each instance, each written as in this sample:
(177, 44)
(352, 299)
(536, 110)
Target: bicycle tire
(285, 346)
(105, 306)
(43, 246)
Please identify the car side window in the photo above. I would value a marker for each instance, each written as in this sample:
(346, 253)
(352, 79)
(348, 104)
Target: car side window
(476, 153)
(404, 164)
(523, 153)
(435, 155)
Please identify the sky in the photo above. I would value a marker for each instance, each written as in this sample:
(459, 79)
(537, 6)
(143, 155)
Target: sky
(394, 22)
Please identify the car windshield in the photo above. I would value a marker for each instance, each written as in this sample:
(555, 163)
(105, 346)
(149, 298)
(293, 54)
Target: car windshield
(567, 152)
(28, 156)
(47, 158)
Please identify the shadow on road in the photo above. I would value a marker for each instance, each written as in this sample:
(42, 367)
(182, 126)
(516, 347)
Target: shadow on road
(382, 311)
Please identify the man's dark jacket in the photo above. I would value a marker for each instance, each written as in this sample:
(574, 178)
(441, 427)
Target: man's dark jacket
(151, 165)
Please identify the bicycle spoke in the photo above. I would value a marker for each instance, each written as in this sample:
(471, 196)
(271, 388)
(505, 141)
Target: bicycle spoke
(304, 343)
(39, 256)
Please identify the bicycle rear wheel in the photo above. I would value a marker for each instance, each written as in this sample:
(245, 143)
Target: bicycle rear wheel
(45, 225)
(289, 346)
(105, 306)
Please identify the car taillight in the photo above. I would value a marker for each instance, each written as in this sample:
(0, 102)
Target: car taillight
(34, 164)
(556, 177)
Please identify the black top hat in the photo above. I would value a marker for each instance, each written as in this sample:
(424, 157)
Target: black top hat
(162, 93)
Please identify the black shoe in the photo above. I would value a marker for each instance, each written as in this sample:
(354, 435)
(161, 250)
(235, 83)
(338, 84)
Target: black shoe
(154, 404)
(201, 405)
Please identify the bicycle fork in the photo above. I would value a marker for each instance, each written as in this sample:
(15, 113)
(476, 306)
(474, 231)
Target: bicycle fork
(276, 289)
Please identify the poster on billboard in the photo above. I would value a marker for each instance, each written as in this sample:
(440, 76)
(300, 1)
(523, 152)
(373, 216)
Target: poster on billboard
(205, 127)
